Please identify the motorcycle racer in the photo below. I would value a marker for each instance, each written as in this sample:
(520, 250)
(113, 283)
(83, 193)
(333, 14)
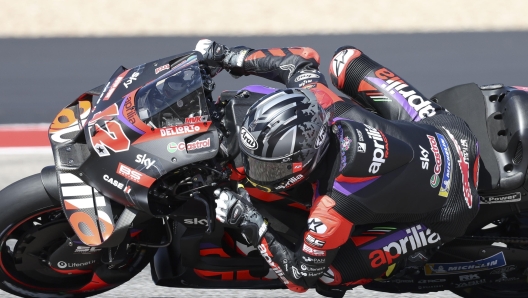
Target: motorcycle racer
(386, 155)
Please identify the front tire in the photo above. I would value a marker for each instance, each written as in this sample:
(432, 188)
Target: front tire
(29, 218)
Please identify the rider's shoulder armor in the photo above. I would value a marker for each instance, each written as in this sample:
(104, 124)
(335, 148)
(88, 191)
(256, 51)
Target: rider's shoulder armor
(368, 151)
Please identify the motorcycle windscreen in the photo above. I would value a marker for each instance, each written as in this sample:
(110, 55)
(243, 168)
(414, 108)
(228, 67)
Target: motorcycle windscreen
(174, 97)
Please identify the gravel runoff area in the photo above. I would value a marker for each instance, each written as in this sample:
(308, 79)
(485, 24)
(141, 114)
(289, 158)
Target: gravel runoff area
(80, 18)
(15, 167)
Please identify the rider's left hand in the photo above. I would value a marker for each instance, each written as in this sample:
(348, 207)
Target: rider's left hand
(236, 210)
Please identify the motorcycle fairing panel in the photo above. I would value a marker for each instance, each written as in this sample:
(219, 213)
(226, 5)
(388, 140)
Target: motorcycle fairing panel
(117, 141)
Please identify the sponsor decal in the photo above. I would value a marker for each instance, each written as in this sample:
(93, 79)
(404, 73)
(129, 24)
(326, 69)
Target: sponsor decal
(62, 264)
(290, 68)
(345, 143)
(316, 225)
(178, 130)
(247, 139)
(144, 160)
(195, 221)
(340, 60)
(505, 278)
(161, 68)
(415, 105)
(470, 283)
(314, 260)
(309, 268)
(274, 266)
(399, 243)
(303, 83)
(360, 135)
(86, 250)
(424, 157)
(430, 287)
(435, 179)
(306, 76)
(502, 270)
(362, 147)
(321, 136)
(464, 167)
(296, 273)
(314, 241)
(134, 176)
(381, 148)
(291, 182)
(116, 183)
(199, 144)
(469, 277)
(240, 58)
(313, 252)
(494, 261)
(197, 119)
(130, 111)
(508, 198)
(297, 167)
(400, 281)
(446, 178)
(425, 281)
(114, 85)
(173, 147)
(131, 79)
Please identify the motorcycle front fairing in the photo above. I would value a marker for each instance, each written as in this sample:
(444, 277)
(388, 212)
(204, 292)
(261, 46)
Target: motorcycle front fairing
(147, 121)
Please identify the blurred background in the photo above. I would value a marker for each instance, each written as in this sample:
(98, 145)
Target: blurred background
(51, 51)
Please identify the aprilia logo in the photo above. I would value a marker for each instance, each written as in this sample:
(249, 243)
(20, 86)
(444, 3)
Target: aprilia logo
(381, 148)
(264, 252)
(291, 181)
(247, 139)
(415, 236)
(393, 83)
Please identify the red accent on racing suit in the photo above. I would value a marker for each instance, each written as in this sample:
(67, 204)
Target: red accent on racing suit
(384, 169)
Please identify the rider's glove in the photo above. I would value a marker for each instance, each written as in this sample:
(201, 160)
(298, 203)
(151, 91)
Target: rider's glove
(236, 210)
(218, 56)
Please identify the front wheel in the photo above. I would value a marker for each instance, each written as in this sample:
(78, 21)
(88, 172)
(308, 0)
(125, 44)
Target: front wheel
(32, 227)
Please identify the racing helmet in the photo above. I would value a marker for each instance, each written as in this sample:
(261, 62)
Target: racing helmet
(283, 137)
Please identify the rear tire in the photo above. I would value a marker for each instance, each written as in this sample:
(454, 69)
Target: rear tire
(25, 207)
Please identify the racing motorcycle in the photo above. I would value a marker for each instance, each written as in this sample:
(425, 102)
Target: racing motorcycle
(137, 161)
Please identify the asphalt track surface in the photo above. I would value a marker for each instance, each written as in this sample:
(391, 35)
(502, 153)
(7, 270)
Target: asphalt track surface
(40, 76)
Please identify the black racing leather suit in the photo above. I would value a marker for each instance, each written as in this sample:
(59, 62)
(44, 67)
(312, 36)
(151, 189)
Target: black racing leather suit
(395, 157)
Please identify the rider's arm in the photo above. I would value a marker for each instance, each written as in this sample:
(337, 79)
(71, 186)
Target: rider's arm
(295, 67)
(300, 266)
(374, 85)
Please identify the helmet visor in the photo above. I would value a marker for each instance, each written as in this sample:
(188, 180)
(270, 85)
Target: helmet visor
(268, 172)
